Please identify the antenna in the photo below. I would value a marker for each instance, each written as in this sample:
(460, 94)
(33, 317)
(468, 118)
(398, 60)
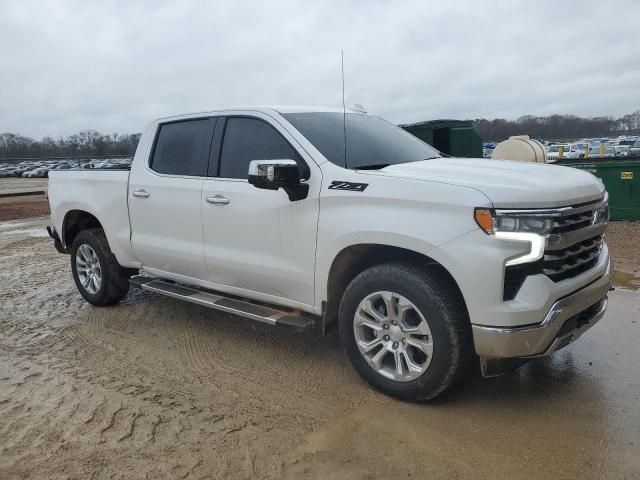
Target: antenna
(344, 110)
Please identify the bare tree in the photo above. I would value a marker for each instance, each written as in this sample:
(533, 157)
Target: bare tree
(558, 127)
(84, 143)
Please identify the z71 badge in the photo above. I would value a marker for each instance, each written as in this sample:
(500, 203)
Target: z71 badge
(350, 186)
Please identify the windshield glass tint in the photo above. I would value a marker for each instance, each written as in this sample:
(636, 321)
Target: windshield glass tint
(371, 141)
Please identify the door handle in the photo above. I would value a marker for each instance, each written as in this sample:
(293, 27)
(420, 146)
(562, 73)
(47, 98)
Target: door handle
(141, 193)
(218, 200)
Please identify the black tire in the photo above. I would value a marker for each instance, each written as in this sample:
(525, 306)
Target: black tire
(432, 292)
(115, 279)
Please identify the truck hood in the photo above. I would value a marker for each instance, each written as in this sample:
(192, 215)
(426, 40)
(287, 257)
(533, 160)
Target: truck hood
(508, 184)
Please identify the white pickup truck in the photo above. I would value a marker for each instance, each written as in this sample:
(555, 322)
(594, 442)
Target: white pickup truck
(311, 216)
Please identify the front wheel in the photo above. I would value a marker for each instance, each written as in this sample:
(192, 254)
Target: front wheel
(96, 272)
(406, 331)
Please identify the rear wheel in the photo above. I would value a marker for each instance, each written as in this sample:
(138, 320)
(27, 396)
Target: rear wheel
(406, 331)
(98, 276)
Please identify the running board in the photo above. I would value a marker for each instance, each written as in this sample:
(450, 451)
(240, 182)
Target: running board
(255, 311)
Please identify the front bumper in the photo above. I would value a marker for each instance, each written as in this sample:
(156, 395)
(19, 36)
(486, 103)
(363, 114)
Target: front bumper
(567, 319)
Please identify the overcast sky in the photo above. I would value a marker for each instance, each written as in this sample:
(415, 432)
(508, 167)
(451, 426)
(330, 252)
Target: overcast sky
(113, 66)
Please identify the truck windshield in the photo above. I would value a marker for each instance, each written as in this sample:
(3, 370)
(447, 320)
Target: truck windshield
(372, 143)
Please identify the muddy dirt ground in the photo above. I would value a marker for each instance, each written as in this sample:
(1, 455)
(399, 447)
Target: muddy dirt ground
(156, 388)
(13, 208)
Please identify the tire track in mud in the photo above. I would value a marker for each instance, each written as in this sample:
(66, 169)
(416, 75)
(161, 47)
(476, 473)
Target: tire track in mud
(165, 389)
(103, 355)
(195, 339)
(189, 351)
(116, 421)
(165, 380)
(197, 357)
(94, 411)
(209, 368)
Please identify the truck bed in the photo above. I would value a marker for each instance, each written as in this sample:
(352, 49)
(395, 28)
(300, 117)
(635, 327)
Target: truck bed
(100, 192)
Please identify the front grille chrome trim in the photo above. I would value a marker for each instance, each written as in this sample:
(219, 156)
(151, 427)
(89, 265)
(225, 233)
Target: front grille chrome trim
(565, 240)
(554, 212)
(596, 243)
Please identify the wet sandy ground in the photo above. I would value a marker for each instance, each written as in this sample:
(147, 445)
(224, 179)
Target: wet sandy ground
(156, 388)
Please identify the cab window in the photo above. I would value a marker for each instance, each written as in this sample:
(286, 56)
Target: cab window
(247, 139)
(182, 148)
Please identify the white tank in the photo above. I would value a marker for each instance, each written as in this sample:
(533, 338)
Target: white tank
(522, 148)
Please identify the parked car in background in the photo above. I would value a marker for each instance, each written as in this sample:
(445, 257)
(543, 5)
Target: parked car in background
(579, 150)
(621, 150)
(553, 152)
(634, 150)
(40, 168)
(488, 148)
(596, 152)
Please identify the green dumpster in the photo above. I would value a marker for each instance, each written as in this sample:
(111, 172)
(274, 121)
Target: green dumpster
(622, 180)
(453, 137)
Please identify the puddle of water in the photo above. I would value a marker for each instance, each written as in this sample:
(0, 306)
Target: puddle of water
(626, 280)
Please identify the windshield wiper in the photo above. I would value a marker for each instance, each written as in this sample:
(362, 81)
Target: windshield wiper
(374, 166)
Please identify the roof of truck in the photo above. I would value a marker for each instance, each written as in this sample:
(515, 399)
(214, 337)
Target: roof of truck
(308, 109)
(266, 109)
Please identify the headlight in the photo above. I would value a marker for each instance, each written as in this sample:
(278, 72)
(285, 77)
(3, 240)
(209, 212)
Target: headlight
(502, 221)
(520, 227)
(514, 223)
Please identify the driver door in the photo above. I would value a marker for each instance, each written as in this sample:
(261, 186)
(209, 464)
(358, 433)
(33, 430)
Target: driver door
(257, 242)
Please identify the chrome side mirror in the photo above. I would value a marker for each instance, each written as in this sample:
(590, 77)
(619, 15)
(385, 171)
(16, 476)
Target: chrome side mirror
(275, 174)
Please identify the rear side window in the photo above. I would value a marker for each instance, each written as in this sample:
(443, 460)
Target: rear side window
(247, 139)
(182, 148)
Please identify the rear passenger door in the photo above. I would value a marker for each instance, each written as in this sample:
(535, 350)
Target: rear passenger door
(165, 204)
(257, 242)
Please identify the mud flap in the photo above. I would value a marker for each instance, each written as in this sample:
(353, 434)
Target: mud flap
(57, 243)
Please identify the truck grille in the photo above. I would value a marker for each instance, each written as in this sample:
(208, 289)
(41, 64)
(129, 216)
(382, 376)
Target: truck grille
(572, 222)
(573, 247)
(572, 261)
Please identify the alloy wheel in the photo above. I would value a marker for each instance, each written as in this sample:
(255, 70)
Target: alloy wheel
(393, 336)
(88, 268)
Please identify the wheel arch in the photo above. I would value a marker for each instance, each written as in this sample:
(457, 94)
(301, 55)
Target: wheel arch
(354, 259)
(76, 221)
